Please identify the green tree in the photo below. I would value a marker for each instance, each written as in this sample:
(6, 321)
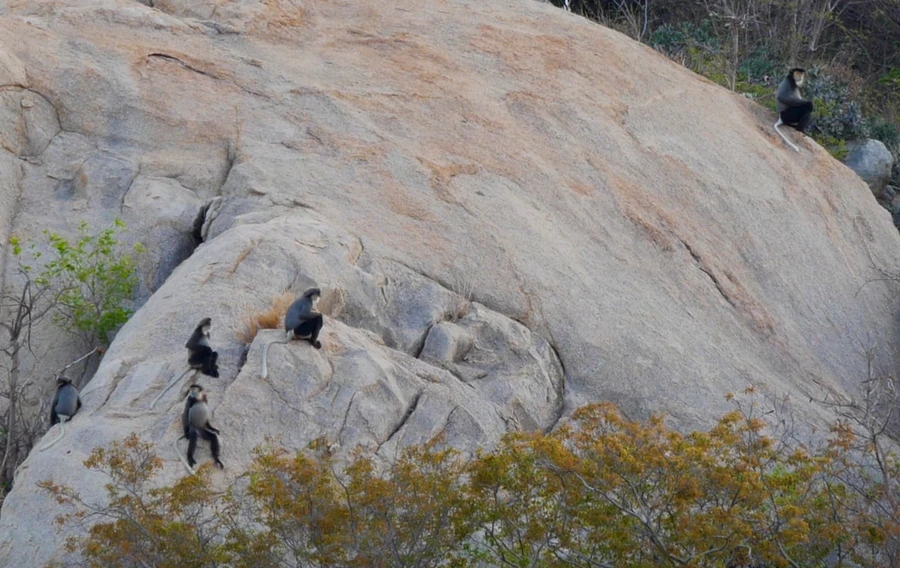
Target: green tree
(84, 286)
(93, 279)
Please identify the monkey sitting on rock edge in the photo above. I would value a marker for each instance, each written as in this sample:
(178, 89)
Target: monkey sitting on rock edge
(302, 321)
(792, 108)
(201, 357)
(66, 402)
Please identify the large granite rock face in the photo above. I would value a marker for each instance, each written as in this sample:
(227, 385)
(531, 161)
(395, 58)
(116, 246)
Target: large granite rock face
(512, 212)
(873, 162)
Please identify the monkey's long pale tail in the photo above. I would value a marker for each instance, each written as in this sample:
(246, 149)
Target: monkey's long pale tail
(165, 390)
(62, 432)
(288, 337)
(783, 137)
(181, 457)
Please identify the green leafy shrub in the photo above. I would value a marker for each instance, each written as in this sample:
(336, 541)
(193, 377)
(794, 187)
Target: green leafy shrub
(85, 287)
(92, 278)
(890, 80)
(758, 76)
(759, 64)
(760, 92)
(694, 46)
(850, 49)
(835, 146)
(889, 134)
(836, 114)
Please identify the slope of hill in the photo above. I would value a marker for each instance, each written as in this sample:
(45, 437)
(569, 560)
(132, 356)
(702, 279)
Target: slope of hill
(512, 211)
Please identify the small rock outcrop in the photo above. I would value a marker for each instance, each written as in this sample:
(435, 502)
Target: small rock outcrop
(872, 161)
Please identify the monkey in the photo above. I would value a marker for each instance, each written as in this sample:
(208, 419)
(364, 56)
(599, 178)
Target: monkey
(793, 109)
(66, 403)
(195, 423)
(302, 321)
(201, 357)
(302, 318)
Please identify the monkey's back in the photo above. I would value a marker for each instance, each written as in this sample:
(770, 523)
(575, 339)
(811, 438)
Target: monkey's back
(299, 312)
(66, 401)
(786, 92)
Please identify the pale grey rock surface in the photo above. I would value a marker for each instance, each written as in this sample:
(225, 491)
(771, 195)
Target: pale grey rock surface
(872, 161)
(512, 212)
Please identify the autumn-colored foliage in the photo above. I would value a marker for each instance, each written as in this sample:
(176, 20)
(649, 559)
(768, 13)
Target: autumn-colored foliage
(269, 318)
(602, 491)
(169, 527)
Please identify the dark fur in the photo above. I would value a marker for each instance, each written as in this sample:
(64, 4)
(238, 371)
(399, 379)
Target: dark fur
(793, 109)
(790, 75)
(303, 320)
(201, 356)
(63, 386)
(205, 430)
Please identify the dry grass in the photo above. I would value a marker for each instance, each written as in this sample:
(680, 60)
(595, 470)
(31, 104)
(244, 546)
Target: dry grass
(462, 302)
(269, 318)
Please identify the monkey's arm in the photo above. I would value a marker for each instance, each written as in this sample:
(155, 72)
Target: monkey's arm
(194, 340)
(211, 428)
(790, 97)
(78, 406)
(185, 421)
(310, 316)
(793, 101)
(54, 418)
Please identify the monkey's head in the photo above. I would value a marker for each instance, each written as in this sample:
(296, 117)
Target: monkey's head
(204, 325)
(313, 295)
(797, 76)
(196, 392)
(62, 381)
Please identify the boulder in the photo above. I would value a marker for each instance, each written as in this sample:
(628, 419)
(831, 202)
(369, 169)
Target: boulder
(872, 161)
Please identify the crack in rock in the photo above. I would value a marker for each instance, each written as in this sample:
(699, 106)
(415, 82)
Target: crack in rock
(127, 189)
(282, 398)
(447, 420)
(419, 345)
(705, 270)
(59, 128)
(187, 66)
(409, 411)
(346, 414)
(560, 391)
(117, 378)
(199, 221)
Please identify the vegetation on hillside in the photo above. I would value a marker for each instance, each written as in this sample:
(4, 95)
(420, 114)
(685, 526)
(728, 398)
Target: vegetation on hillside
(603, 491)
(84, 286)
(850, 47)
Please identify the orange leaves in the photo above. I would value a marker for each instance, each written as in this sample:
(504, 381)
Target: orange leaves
(268, 318)
(600, 491)
(129, 463)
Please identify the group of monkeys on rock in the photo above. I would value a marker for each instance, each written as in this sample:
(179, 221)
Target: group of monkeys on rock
(302, 321)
